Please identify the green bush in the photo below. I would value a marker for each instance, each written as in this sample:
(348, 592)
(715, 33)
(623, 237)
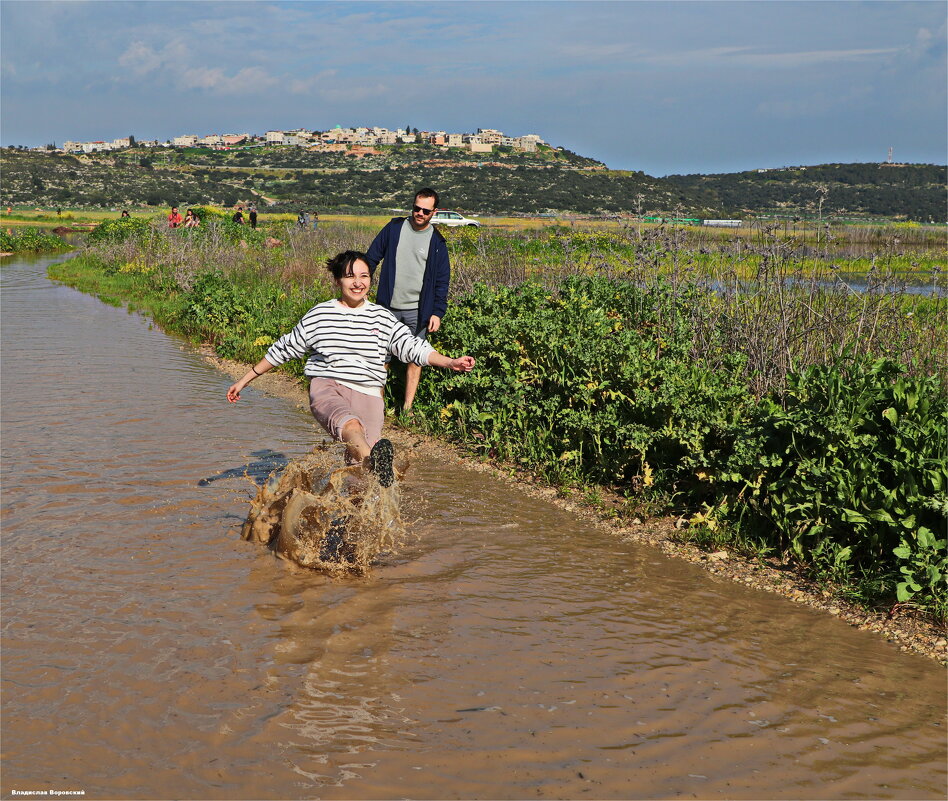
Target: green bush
(231, 232)
(848, 464)
(207, 213)
(119, 230)
(242, 315)
(26, 240)
(594, 383)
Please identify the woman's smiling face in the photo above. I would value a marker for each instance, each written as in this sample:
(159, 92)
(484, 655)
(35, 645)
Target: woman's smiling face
(355, 284)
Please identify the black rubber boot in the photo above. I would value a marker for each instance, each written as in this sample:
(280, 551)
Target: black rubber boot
(381, 460)
(334, 546)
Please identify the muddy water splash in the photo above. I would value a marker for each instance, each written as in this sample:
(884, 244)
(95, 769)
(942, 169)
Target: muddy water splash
(334, 519)
(508, 651)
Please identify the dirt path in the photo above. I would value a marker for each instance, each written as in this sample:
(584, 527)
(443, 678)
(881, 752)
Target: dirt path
(901, 627)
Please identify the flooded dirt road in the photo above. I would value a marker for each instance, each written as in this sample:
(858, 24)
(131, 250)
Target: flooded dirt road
(509, 652)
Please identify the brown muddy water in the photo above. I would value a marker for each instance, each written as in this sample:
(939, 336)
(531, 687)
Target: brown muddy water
(510, 651)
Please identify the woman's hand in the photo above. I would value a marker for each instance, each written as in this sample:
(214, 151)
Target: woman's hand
(263, 366)
(233, 394)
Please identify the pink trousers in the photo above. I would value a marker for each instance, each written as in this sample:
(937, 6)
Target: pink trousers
(333, 405)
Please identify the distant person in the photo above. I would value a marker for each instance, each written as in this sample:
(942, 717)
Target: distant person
(59, 212)
(191, 220)
(174, 219)
(413, 283)
(125, 214)
(252, 214)
(315, 220)
(239, 216)
(302, 220)
(345, 342)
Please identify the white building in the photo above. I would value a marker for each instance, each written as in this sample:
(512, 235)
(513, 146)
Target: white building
(189, 140)
(489, 136)
(274, 137)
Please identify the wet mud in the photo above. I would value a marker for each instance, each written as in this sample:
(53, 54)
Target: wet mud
(505, 647)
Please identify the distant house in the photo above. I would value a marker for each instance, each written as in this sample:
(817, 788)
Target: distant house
(490, 136)
(189, 140)
(274, 137)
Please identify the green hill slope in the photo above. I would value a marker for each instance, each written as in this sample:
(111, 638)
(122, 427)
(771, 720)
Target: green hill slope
(503, 182)
(912, 191)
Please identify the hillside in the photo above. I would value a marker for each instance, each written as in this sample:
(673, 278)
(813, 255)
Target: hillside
(914, 191)
(503, 182)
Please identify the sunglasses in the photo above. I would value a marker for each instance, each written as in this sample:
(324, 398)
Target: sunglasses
(420, 210)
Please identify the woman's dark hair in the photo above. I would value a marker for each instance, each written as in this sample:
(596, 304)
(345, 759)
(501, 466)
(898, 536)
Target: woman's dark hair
(341, 265)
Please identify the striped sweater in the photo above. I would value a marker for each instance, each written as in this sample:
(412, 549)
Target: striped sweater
(349, 345)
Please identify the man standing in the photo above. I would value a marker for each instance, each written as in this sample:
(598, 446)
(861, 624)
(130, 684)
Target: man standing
(413, 282)
(253, 216)
(174, 219)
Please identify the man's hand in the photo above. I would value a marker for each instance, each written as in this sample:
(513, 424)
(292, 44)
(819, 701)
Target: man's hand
(434, 323)
(463, 364)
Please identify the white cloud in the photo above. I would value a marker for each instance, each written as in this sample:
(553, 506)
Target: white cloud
(245, 81)
(312, 83)
(141, 59)
(348, 94)
(808, 58)
(627, 56)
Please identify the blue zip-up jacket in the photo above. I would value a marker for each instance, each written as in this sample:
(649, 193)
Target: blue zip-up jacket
(434, 285)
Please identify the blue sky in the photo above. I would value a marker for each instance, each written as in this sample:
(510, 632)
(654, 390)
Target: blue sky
(667, 87)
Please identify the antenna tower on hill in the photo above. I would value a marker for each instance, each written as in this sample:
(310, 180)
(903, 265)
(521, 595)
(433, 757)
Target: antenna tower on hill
(889, 160)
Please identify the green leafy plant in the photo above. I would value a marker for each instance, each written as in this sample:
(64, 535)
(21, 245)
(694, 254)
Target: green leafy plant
(923, 568)
(28, 240)
(119, 230)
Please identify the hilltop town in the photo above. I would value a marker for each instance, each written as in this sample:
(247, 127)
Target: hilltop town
(337, 139)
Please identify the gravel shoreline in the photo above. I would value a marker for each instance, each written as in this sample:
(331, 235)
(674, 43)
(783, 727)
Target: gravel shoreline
(902, 628)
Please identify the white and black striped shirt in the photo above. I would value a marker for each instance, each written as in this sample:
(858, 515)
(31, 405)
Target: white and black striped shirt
(348, 345)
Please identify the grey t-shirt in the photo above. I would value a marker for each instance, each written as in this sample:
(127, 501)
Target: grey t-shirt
(411, 256)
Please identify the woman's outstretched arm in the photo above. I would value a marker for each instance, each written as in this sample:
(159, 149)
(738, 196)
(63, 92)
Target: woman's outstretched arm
(261, 367)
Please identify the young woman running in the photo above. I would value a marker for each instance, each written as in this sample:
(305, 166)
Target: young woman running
(346, 342)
